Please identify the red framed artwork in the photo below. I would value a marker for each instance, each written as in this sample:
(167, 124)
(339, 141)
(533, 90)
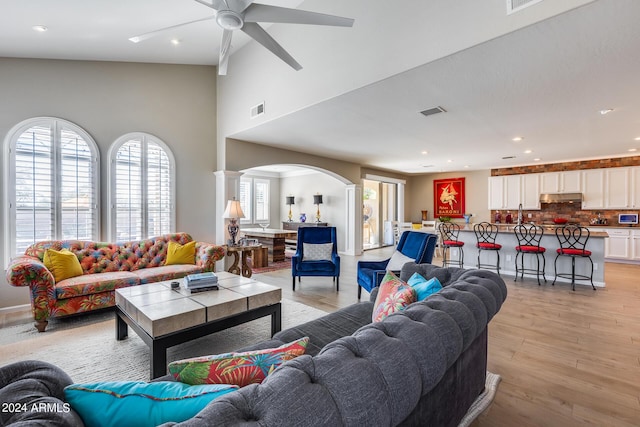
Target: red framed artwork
(448, 197)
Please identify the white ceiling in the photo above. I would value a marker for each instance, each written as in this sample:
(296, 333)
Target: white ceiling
(546, 82)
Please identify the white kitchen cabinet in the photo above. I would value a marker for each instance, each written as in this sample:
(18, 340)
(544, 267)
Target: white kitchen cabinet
(617, 188)
(504, 192)
(561, 182)
(618, 245)
(635, 245)
(593, 188)
(634, 190)
(530, 185)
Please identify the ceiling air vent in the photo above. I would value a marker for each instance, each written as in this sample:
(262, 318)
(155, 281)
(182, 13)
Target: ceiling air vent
(257, 110)
(432, 111)
(517, 5)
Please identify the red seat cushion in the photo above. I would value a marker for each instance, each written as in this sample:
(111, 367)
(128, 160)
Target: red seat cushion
(453, 243)
(569, 251)
(491, 246)
(527, 248)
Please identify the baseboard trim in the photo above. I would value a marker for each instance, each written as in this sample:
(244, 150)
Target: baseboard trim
(26, 308)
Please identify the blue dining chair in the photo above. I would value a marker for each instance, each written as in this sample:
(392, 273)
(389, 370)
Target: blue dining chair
(417, 246)
(316, 254)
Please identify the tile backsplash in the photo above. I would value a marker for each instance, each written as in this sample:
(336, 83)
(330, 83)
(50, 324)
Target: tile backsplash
(550, 211)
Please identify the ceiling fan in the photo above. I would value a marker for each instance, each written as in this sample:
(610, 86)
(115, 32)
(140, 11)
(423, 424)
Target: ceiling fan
(244, 15)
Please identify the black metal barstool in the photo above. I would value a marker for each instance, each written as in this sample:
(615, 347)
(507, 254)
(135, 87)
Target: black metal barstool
(529, 237)
(486, 234)
(449, 238)
(573, 242)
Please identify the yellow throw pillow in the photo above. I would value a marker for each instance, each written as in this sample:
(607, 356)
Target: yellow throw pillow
(181, 254)
(62, 264)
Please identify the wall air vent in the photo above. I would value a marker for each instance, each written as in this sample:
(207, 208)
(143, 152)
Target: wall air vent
(432, 111)
(517, 5)
(508, 157)
(257, 110)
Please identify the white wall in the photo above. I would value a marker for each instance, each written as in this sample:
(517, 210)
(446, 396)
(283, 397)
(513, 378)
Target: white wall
(303, 187)
(108, 99)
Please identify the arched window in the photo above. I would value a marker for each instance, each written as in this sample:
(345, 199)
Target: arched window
(53, 173)
(142, 187)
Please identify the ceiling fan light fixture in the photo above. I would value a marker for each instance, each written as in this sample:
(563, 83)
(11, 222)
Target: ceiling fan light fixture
(229, 20)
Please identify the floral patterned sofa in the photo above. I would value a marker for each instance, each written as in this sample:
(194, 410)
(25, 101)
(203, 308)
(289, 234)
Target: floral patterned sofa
(106, 267)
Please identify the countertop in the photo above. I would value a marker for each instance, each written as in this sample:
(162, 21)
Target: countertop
(548, 228)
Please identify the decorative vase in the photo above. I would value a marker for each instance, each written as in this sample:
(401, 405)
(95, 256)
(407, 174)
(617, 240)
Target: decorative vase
(303, 217)
(424, 215)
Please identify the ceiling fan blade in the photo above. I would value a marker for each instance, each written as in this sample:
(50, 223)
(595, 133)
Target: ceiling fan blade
(148, 35)
(239, 5)
(264, 13)
(225, 47)
(257, 33)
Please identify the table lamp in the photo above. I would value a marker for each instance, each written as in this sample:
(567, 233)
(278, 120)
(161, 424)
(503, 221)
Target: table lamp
(317, 200)
(233, 212)
(290, 201)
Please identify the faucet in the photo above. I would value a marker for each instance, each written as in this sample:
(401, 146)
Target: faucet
(520, 215)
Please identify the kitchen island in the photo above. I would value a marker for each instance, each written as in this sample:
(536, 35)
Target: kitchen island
(507, 238)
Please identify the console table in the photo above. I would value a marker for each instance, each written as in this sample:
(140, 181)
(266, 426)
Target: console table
(273, 239)
(292, 225)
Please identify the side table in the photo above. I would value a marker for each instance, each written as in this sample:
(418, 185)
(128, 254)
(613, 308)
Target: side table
(241, 252)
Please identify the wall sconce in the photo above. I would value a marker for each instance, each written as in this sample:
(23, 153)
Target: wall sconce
(317, 200)
(233, 212)
(290, 201)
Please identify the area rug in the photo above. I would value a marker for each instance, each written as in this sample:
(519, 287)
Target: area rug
(85, 346)
(274, 266)
(483, 401)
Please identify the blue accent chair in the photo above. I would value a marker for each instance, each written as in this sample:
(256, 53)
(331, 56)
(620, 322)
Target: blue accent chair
(414, 244)
(301, 267)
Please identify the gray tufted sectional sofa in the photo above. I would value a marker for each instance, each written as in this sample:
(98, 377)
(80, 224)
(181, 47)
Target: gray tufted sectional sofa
(422, 367)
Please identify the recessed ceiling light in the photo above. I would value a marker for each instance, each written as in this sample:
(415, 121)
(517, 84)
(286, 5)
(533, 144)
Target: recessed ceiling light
(449, 161)
(632, 149)
(517, 139)
(175, 42)
(606, 111)
(636, 138)
(466, 166)
(425, 152)
(39, 28)
(528, 151)
(537, 159)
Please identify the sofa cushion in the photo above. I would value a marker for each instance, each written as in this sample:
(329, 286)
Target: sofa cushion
(241, 369)
(424, 287)
(149, 252)
(327, 329)
(165, 272)
(394, 295)
(63, 264)
(89, 284)
(140, 403)
(181, 254)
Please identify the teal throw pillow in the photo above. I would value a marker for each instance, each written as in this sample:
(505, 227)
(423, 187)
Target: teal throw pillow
(140, 404)
(424, 287)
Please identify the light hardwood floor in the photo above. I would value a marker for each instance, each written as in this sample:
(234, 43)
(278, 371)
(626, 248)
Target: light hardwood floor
(566, 358)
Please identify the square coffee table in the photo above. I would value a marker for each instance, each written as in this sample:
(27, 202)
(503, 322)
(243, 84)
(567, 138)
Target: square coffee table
(164, 317)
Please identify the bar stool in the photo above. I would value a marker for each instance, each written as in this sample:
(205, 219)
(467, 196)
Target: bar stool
(449, 238)
(529, 237)
(573, 241)
(486, 234)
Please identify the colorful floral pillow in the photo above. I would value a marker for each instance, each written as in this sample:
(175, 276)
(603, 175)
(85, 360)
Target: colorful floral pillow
(394, 295)
(140, 404)
(240, 369)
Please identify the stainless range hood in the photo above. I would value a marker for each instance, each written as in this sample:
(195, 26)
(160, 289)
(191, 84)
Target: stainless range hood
(561, 198)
